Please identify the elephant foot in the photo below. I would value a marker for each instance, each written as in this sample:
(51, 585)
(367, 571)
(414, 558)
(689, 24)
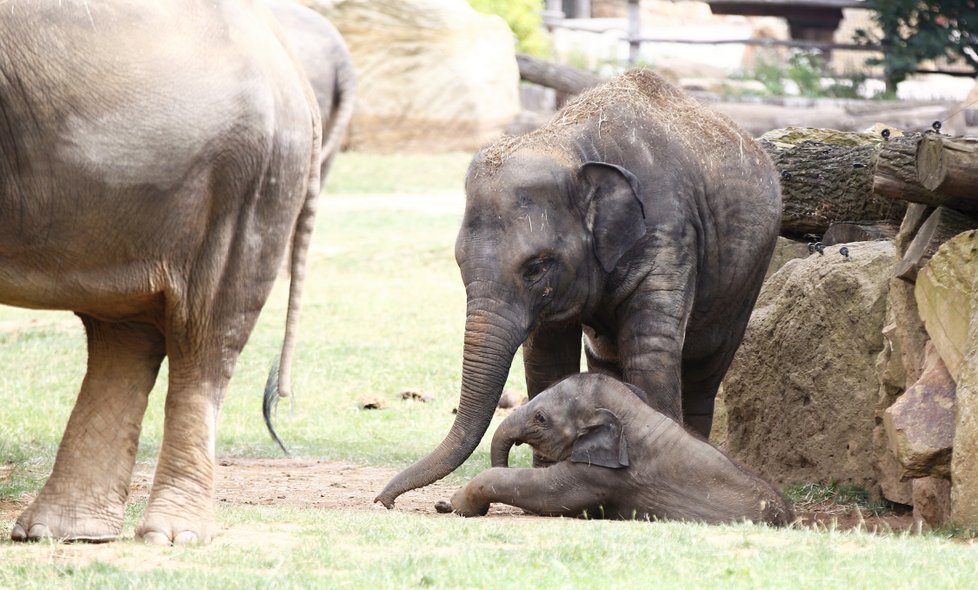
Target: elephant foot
(68, 520)
(166, 523)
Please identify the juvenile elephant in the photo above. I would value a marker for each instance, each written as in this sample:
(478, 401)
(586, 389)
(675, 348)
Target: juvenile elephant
(156, 158)
(635, 216)
(615, 457)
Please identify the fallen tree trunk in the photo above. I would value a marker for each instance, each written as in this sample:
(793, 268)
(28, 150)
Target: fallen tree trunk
(552, 75)
(827, 177)
(942, 225)
(949, 167)
(895, 175)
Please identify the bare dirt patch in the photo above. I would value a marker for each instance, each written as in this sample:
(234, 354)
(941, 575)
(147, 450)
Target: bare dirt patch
(337, 485)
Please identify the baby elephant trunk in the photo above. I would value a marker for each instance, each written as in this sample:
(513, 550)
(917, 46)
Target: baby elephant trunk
(509, 433)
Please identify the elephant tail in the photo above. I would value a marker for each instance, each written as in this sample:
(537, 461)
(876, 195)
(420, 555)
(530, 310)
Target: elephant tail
(270, 403)
(279, 382)
(345, 97)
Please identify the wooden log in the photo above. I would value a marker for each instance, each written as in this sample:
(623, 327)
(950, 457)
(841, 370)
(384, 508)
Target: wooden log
(942, 225)
(561, 78)
(827, 177)
(844, 233)
(895, 175)
(949, 166)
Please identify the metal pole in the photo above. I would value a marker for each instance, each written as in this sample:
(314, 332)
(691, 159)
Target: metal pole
(634, 31)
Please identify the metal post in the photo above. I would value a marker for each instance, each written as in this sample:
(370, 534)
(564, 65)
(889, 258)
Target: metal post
(634, 31)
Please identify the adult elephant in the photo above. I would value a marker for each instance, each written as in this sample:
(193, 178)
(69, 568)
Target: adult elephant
(155, 159)
(635, 216)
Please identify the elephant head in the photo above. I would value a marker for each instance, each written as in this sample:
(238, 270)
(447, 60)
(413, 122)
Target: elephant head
(563, 423)
(540, 234)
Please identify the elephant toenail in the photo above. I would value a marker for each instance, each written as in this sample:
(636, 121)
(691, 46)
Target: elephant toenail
(39, 531)
(155, 538)
(186, 538)
(18, 534)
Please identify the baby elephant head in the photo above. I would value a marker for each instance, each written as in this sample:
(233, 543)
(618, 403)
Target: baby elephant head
(565, 422)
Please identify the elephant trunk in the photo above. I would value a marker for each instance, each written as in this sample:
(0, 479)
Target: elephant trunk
(490, 345)
(509, 433)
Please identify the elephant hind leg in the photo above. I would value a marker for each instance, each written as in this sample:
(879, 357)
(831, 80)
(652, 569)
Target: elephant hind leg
(85, 496)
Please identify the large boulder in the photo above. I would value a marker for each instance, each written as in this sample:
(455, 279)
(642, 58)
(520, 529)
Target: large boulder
(802, 391)
(433, 75)
(948, 303)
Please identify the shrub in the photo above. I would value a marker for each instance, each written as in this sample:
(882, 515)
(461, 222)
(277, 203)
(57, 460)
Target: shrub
(523, 17)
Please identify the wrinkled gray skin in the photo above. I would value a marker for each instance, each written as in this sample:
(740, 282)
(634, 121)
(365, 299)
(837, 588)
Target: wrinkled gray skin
(324, 57)
(155, 159)
(615, 457)
(636, 217)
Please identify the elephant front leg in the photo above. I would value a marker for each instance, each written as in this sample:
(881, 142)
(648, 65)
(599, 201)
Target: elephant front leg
(560, 490)
(650, 341)
(550, 354)
(85, 496)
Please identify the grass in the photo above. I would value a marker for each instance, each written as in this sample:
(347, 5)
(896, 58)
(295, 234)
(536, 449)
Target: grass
(384, 312)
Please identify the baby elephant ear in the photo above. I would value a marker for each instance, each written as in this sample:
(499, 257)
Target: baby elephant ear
(602, 443)
(615, 215)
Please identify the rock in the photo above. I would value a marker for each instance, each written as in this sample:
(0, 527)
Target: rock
(948, 305)
(920, 424)
(433, 75)
(945, 297)
(892, 485)
(801, 393)
(785, 250)
(907, 336)
(372, 403)
(416, 396)
(941, 225)
(932, 501)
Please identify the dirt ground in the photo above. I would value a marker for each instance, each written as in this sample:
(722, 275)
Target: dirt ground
(335, 485)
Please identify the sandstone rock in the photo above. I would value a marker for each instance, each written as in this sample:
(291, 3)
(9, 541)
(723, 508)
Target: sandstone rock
(946, 297)
(948, 304)
(890, 473)
(932, 501)
(433, 75)
(802, 391)
(920, 425)
(905, 330)
(785, 250)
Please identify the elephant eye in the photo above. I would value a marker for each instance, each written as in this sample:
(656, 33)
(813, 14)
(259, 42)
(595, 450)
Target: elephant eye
(535, 268)
(539, 418)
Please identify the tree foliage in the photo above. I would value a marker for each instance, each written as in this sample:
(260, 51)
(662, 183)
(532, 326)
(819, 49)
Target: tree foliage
(523, 17)
(916, 30)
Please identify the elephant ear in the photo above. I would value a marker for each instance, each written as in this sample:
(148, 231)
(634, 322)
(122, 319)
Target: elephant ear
(615, 215)
(602, 443)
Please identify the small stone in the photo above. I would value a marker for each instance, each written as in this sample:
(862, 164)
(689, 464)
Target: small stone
(373, 403)
(416, 396)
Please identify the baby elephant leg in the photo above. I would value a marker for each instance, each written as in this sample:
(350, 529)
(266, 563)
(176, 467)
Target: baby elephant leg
(555, 491)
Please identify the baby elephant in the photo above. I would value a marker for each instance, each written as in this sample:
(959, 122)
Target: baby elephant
(615, 457)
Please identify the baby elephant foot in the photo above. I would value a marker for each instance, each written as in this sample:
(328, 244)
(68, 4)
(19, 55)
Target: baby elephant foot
(68, 520)
(464, 503)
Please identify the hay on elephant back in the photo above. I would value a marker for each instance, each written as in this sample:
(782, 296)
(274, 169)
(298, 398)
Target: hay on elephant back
(647, 94)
